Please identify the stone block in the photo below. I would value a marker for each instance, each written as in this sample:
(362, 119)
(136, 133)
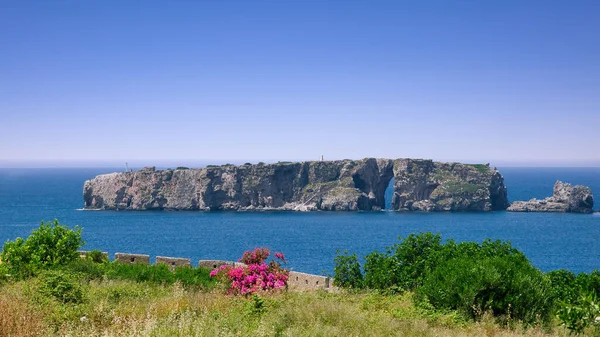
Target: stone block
(212, 264)
(132, 258)
(303, 281)
(173, 262)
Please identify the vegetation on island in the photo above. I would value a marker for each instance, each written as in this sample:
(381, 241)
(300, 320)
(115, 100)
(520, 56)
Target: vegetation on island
(418, 287)
(483, 168)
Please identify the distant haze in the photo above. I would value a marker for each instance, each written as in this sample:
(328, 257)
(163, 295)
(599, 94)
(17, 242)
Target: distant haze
(512, 83)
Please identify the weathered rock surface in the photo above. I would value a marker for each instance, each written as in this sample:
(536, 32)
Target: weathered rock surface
(343, 185)
(566, 199)
(424, 185)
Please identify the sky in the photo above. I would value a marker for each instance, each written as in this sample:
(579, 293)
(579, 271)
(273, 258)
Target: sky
(149, 82)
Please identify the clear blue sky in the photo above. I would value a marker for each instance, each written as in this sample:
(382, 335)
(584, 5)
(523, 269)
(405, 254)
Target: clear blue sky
(181, 81)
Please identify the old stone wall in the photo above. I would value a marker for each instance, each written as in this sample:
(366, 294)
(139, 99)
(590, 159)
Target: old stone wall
(173, 262)
(297, 281)
(132, 258)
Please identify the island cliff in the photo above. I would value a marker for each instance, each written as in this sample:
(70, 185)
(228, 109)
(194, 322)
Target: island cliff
(342, 185)
(565, 199)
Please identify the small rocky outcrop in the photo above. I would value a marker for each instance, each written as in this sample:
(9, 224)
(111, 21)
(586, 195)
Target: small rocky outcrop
(565, 199)
(342, 185)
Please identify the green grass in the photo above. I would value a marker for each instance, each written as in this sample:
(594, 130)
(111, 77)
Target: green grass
(480, 167)
(157, 274)
(129, 308)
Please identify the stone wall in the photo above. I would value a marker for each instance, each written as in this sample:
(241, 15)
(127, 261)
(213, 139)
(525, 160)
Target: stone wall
(303, 281)
(297, 281)
(173, 262)
(132, 258)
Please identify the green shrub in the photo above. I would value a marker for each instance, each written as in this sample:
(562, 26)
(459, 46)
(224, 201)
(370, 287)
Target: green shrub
(194, 277)
(564, 287)
(381, 271)
(589, 283)
(4, 273)
(507, 286)
(50, 245)
(87, 269)
(347, 271)
(182, 168)
(96, 256)
(405, 264)
(138, 272)
(63, 286)
(581, 316)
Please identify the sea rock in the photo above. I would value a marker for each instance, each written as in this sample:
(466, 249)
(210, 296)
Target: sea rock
(565, 199)
(342, 185)
(424, 185)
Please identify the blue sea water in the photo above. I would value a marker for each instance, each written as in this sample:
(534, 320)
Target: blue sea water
(309, 240)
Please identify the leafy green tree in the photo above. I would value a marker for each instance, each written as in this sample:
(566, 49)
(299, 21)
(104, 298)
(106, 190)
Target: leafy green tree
(347, 272)
(49, 245)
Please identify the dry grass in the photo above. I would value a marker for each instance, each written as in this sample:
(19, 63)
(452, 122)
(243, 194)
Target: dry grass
(123, 308)
(17, 316)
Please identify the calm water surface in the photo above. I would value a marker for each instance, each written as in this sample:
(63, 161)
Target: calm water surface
(309, 240)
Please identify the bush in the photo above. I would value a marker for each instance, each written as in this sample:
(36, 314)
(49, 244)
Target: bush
(255, 275)
(87, 269)
(194, 277)
(160, 273)
(581, 316)
(64, 287)
(4, 273)
(347, 271)
(406, 263)
(96, 256)
(51, 244)
(589, 283)
(564, 286)
(507, 286)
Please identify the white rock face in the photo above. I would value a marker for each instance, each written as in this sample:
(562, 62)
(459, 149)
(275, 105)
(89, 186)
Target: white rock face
(565, 199)
(342, 185)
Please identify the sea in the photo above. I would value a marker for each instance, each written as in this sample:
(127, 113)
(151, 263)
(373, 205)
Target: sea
(310, 241)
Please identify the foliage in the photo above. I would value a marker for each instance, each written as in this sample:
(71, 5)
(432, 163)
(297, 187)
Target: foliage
(96, 256)
(589, 283)
(255, 275)
(347, 271)
(563, 285)
(51, 244)
(182, 168)
(4, 273)
(128, 308)
(159, 273)
(483, 168)
(581, 316)
(509, 287)
(470, 277)
(577, 307)
(85, 268)
(64, 287)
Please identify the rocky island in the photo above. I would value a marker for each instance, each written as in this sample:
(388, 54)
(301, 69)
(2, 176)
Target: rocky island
(565, 199)
(341, 185)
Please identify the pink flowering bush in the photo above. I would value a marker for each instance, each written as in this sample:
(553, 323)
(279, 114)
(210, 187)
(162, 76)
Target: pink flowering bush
(256, 275)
